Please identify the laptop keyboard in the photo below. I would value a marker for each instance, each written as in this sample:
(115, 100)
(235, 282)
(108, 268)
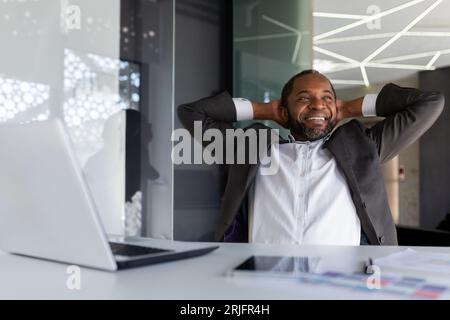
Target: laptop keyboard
(128, 250)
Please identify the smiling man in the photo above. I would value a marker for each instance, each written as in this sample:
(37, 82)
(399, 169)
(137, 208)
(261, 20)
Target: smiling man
(329, 187)
(309, 119)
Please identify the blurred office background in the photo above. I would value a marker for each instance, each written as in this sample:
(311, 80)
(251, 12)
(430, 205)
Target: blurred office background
(115, 70)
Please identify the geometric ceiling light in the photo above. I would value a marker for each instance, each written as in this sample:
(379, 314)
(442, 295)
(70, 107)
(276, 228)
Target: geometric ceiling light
(348, 63)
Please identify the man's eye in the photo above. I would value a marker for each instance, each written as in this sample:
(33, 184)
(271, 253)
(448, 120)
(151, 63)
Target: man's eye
(303, 99)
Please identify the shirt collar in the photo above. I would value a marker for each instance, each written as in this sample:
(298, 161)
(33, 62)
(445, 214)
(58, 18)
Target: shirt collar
(324, 139)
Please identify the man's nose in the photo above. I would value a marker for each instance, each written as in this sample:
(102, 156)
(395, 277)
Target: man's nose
(317, 104)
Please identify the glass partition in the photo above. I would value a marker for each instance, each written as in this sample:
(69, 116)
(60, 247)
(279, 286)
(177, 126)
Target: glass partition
(272, 42)
(105, 68)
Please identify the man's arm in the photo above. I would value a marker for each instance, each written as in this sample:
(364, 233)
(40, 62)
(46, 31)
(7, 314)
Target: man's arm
(408, 113)
(360, 107)
(349, 109)
(270, 111)
(221, 111)
(216, 112)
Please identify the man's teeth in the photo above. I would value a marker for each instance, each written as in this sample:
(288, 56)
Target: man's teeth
(316, 118)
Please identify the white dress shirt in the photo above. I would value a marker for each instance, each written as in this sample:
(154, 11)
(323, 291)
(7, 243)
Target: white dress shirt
(308, 200)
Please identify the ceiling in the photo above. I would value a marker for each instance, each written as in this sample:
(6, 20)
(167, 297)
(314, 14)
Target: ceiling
(363, 42)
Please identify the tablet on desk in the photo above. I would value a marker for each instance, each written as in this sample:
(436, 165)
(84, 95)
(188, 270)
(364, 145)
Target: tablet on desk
(276, 266)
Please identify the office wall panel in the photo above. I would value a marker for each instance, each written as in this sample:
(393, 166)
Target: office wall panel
(60, 59)
(203, 66)
(435, 155)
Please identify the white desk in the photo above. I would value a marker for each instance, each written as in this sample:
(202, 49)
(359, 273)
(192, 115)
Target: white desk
(197, 278)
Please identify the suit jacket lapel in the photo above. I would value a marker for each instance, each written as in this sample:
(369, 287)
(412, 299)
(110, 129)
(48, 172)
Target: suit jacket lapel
(338, 147)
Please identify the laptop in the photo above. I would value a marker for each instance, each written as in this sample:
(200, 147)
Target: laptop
(47, 210)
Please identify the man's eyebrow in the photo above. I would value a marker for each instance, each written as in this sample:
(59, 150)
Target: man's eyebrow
(308, 91)
(302, 91)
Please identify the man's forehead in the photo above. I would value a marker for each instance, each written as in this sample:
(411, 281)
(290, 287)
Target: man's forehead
(312, 82)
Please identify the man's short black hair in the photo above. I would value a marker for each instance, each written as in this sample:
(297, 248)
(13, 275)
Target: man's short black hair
(287, 89)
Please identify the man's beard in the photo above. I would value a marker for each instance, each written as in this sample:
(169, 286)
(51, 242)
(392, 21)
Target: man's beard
(310, 134)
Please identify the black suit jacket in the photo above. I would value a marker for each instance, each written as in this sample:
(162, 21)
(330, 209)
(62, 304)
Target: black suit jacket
(359, 152)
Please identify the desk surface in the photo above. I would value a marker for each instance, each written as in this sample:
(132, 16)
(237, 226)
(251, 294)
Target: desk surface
(197, 278)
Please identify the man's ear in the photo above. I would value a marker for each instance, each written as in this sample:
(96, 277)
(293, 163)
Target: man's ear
(285, 117)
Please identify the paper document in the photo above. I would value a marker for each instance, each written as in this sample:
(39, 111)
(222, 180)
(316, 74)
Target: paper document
(418, 261)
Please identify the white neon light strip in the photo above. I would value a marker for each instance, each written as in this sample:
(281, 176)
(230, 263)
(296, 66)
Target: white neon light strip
(281, 24)
(356, 38)
(335, 67)
(383, 35)
(396, 66)
(365, 20)
(427, 34)
(433, 60)
(364, 75)
(351, 63)
(348, 66)
(405, 29)
(337, 81)
(412, 56)
(339, 15)
(343, 67)
(265, 37)
(297, 48)
(336, 55)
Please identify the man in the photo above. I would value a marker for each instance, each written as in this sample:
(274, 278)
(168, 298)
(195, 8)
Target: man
(329, 187)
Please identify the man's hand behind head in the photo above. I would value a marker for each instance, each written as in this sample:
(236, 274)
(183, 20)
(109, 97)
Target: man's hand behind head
(280, 114)
(271, 111)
